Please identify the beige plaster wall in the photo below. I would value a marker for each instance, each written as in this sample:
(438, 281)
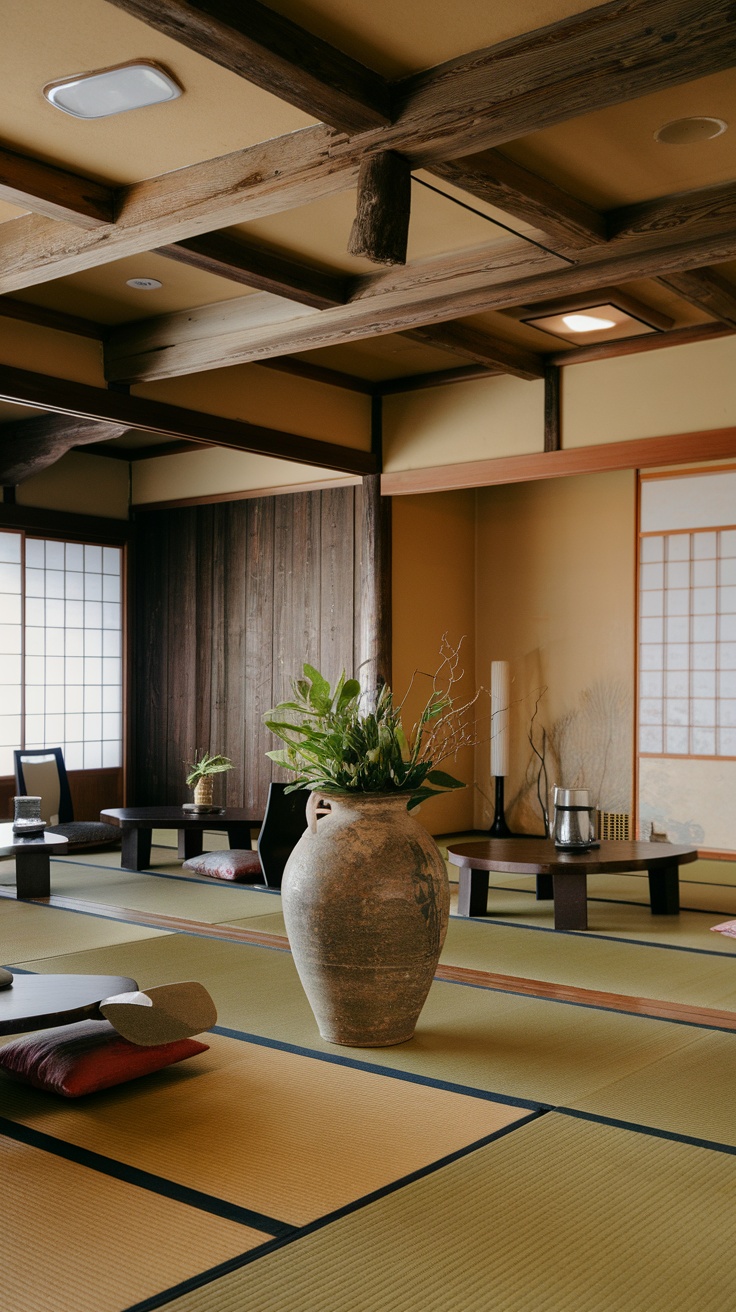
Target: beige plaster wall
(433, 594)
(466, 421)
(81, 484)
(555, 597)
(678, 390)
(48, 351)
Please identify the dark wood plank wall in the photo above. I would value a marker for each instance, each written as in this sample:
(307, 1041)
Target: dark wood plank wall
(230, 600)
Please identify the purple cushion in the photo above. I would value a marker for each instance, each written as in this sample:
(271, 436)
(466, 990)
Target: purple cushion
(238, 865)
(76, 1059)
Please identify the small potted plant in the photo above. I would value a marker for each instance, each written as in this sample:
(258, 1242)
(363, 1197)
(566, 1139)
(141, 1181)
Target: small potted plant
(201, 775)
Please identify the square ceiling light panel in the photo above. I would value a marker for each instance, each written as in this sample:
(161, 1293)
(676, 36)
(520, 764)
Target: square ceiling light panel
(112, 90)
(590, 324)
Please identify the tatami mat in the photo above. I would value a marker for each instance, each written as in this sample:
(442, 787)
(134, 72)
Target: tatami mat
(269, 1130)
(559, 1216)
(29, 933)
(515, 1046)
(75, 1240)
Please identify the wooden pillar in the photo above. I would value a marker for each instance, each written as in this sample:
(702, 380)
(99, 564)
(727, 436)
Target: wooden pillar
(381, 227)
(375, 607)
(552, 430)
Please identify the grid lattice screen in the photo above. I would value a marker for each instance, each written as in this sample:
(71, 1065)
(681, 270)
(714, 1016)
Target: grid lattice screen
(687, 643)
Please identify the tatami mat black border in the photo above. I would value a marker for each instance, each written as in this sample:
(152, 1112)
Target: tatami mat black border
(155, 1184)
(245, 1259)
(391, 1072)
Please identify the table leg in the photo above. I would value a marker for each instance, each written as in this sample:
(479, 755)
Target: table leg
(32, 874)
(190, 843)
(545, 890)
(136, 849)
(571, 901)
(472, 898)
(239, 837)
(664, 889)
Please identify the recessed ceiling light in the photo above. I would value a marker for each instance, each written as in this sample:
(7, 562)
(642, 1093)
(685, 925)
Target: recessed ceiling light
(144, 284)
(688, 131)
(112, 90)
(586, 323)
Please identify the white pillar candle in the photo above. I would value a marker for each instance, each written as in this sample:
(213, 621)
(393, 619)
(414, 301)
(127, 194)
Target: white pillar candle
(499, 718)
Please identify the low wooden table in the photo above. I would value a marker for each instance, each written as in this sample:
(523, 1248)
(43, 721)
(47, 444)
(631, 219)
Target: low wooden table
(38, 1002)
(138, 822)
(563, 875)
(32, 870)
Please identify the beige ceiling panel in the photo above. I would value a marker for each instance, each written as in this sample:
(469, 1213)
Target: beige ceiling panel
(102, 294)
(397, 37)
(44, 40)
(611, 157)
(319, 232)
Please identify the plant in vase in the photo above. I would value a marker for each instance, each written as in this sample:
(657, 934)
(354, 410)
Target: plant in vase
(365, 891)
(201, 775)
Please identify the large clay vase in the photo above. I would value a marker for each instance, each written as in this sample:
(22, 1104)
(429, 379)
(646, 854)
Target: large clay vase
(366, 904)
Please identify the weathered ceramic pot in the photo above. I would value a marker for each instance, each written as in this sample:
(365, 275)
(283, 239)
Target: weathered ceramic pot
(366, 904)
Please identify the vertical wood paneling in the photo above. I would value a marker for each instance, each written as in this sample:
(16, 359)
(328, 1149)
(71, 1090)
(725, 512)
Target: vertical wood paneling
(231, 600)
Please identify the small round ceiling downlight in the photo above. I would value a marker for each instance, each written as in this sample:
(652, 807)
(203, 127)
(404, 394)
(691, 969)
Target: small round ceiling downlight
(688, 131)
(144, 284)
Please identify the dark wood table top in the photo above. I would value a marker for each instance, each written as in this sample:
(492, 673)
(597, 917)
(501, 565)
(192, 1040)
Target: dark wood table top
(539, 856)
(11, 842)
(36, 1002)
(174, 817)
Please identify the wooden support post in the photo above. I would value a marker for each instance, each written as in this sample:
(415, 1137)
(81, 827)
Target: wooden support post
(375, 607)
(552, 433)
(381, 227)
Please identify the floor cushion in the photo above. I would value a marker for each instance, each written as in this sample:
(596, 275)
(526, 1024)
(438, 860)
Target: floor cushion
(87, 833)
(73, 1060)
(236, 864)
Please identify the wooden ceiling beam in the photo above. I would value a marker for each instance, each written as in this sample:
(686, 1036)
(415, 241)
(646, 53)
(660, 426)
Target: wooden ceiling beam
(54, 192)
(482, 348)
(29, 445)
(10, 308)
(698, 332)
(709, 209)
(69, 398)
(607, 55)
(275, 54)
(429, 292)
(705, 290)
(491, 177)
(239, 261)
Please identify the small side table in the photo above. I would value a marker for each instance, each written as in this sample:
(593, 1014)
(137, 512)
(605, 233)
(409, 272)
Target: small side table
(32, 870)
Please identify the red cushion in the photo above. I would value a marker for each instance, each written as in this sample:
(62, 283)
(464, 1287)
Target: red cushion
(83, 1058)
(238, 864)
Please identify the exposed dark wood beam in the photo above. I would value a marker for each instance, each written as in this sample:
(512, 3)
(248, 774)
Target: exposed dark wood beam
(319, 373)
(707, 291)
(429, 292)
(53, 192)
(63, 397)
(11, 308)
(441, 378)
(617, 296)
(709, 209)
(272, 52)
(700, 332)
(380, 230)
(602, 57)
(552, 426)
(482, 348)
(29, 445)
(491, 177)
(238, 261)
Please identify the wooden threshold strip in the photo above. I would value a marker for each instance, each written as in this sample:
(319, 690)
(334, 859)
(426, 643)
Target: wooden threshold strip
(484, 979)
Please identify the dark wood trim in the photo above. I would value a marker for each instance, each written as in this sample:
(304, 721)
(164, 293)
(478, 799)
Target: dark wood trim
(10, 308)
(706, 290)
(483, 348)
(679, 448)
(60, 524)
(375, 608)
(442, 378)
(318, 373)
(65, 397)
(268, 271)
(270, 51)
(552, 427)
(54, 192)
(699, 332)
(491, 177)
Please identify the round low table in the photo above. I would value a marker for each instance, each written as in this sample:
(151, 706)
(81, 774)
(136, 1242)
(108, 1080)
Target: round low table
(563, 875)
(38, 1002)
(32, 852)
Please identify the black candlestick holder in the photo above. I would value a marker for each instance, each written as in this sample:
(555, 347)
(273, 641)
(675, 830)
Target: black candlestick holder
(499, 828)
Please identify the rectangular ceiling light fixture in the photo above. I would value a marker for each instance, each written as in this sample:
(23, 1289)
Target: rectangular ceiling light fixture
(591, 323)
(113, 90)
